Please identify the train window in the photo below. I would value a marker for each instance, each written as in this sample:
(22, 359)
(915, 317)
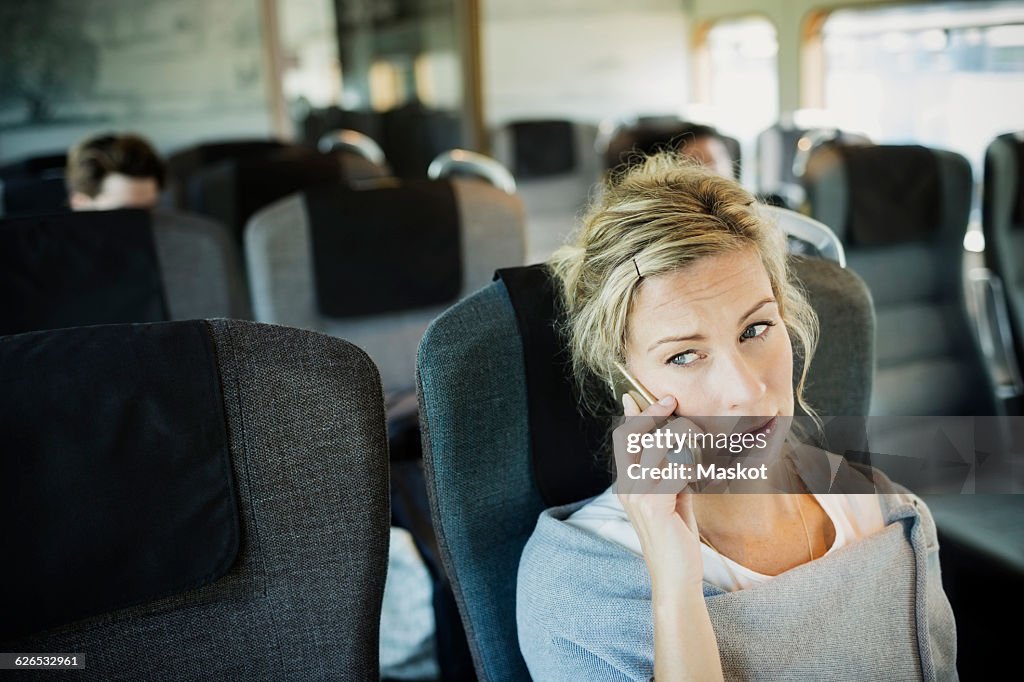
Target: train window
(736, 79)
(949, 75)
(310, 69)
(387, 83)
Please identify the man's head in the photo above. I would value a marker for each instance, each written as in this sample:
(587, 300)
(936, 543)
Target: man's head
(705, 144)
(114, 171)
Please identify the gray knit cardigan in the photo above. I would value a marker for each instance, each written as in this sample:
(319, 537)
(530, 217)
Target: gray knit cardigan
(871, 610)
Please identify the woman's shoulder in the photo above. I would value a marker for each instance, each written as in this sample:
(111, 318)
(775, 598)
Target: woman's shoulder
(582, 603)
(561, 548)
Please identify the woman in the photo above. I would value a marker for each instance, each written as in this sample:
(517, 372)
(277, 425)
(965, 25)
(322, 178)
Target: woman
(675, 276)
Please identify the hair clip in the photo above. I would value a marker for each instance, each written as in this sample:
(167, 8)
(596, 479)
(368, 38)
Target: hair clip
(638, 275)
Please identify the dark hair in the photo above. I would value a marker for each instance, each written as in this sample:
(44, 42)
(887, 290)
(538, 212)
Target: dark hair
(95, 158)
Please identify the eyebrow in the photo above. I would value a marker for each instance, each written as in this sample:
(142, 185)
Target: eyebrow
(701, 337)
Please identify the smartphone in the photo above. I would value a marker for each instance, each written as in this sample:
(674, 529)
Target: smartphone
(634, 388)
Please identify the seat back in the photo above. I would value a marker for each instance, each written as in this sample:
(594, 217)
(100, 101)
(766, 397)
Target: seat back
(104, 267)
(200, 266)
(547, 148)
(784, 154)
(555, 165)
(1002, 219)
(503, 436)
(375, 266)
(40, 166)
(412, 135)
(232, 191)
(183, 164)
(181, 510)
(32, 195)
(902, 213)
(74, 269)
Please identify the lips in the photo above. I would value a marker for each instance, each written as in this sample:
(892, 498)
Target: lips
(765, 427)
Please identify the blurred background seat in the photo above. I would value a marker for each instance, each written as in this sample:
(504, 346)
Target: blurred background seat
(35, 166)
(375, 266)
(784, 157)
(902, 213)
(181, 513)
(33, 195)
(555, 166)
(233, 190)
(1002, 212)
(104, 267)
(182, 164)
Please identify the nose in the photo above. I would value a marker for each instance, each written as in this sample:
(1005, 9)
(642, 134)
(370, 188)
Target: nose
(743, 385)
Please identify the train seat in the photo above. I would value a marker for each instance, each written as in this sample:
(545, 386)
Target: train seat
(503, 437)
(902, 213)
(233, 190)
(182, 513)
(375, 266)
(555, 165)
(105, 267)
(1002, 213)
(33, 195)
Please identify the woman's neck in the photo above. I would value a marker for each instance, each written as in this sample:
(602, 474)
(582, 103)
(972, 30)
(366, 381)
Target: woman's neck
(753, 507)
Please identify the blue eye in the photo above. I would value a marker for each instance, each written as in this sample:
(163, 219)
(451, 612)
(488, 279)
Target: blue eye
(682, 360)
(756, 330)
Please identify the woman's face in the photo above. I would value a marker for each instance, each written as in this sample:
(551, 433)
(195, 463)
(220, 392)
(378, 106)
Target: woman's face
(711, 336)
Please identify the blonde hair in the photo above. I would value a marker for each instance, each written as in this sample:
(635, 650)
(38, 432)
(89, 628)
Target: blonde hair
(654, 218)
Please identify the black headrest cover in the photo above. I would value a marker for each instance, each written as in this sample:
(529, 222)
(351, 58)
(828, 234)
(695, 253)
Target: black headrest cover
(33, 195)
(543, 148)
(74, 269)
(894, 194)
(115, 481)
(563, 440)
(386, 249)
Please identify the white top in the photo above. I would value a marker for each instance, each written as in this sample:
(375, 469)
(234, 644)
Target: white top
(853, 515)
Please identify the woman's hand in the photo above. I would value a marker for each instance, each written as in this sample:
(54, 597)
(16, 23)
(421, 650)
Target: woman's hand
(661, 511)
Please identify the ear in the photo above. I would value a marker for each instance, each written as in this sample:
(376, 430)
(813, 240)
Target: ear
(80, 201)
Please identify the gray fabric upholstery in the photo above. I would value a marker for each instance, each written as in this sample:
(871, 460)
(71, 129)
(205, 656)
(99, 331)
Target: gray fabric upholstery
(1004, 231)
(475, 430)
(308, 446)
(200, 267)
(278, 255)
(476, 458)
(928, 361)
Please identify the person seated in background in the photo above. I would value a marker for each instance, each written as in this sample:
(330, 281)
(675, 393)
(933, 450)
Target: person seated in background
(112, 171)
(703, 144)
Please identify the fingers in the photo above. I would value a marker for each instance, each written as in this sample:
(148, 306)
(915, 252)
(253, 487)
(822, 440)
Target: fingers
(629, 406)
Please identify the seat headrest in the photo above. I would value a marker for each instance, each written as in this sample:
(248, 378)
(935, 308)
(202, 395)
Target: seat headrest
(563, 439)
(74, 269)
(115, 483)
(400, 243)
(188, 160)
(43, 166)
(894, 194)
(1016, 143)
(543, 148)
(33, 195)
